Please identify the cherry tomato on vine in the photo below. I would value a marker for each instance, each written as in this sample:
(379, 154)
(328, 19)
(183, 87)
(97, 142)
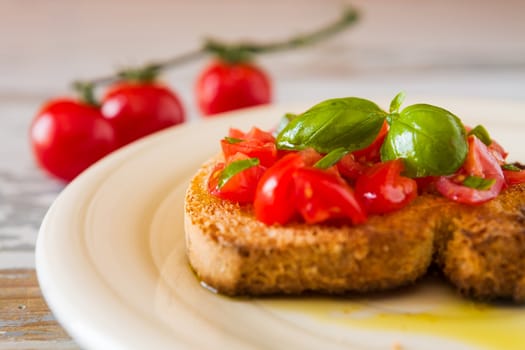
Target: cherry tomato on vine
(68, 136)
(224, 86)
(139, 109)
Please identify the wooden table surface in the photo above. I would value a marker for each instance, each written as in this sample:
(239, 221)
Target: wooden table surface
(445, 48)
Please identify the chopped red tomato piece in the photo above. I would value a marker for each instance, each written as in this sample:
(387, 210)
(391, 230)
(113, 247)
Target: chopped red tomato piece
(240, 187)
(498, 152)
(321, 195)
(514, 177)
(350, 168)
(382, 189)
(274, 197)
(480, 162)
(372, 153)
(255, 144)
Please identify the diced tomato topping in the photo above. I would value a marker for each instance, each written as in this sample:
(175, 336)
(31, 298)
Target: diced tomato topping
(241, 187)
(426, 184)
(372, 153)
(498, 152)
(514, 177)
(382, 189)
(286, 184)
(480, 162)
(274, 197)
(321, 195)
(350, 168)
(255, 144)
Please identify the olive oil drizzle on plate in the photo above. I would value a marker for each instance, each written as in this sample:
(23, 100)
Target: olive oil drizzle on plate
(429, 308)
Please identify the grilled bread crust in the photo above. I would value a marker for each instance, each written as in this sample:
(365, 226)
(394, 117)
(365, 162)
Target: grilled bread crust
(235, 254)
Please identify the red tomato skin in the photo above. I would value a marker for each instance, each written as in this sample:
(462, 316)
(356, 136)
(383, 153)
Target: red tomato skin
(255, 144)
(68, 136)
(514, 177)
(382, 189)
(350, 168)
(139, 109)
(241, 187)
(480, 162)
(321, 196)
(274, 197)
(226, 86)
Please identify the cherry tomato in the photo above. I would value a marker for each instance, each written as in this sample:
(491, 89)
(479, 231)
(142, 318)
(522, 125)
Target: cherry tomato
(514, 177)
(226, 86)
(68, 136)
(241, 187)
(382, 189)
(255, 144)
(321, 195)
(372, 153)
(139, 109)
(480, 162)
(274, 197)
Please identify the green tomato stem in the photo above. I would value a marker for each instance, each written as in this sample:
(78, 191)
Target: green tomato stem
(229, 52)
(243, 51)
(86, 94)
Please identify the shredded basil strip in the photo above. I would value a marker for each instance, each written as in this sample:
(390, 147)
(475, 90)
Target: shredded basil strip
(232, 140)
(331, 158)
(482, 134)
(511, 167)
(234, 168)
(478, 183)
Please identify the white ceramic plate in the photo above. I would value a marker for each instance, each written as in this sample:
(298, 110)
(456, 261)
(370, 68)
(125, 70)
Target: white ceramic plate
(111, 263)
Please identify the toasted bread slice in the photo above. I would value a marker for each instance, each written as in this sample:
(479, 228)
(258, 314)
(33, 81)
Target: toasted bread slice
(236, 254)
(481, 249)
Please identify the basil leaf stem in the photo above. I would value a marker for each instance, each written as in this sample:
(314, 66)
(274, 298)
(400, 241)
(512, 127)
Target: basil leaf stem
(234, 168)
(285, 120)
(397, 102)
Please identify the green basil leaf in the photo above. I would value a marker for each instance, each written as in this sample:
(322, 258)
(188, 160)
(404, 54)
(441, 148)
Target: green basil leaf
(232, 140)
(511, 167)
(397, 102)
(331, 158)
(351, 123)
(478, 183)
(285, 120)
(482, 134)
(430, 139)
(234, 168)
